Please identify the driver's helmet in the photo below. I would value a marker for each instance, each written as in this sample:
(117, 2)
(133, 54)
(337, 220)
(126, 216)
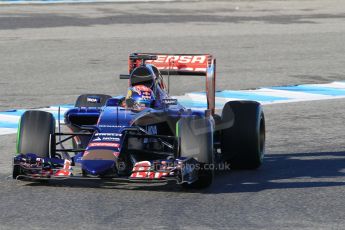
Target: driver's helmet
(139, 97)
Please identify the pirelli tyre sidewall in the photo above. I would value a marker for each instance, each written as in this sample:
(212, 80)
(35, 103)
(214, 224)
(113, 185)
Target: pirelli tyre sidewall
(242, 131)
(196, 141)
(36, 134)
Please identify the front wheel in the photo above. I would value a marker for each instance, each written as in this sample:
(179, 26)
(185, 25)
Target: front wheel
(196, 141)
(16, 171)
(35, 136)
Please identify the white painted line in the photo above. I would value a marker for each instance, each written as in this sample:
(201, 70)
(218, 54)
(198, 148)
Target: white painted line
(9, 118)
(287, 94)
(336, 85)
(5, 131)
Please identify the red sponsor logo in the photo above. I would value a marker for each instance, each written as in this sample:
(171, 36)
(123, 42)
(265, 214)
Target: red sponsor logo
(142, 88)
(177, 68)
(190, 63)
(198, 59)
(148, 175)
(104, 144)
(66, 169)
(142, 170)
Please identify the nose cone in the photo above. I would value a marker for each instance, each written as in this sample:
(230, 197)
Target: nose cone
(98, 161)
(97, 167)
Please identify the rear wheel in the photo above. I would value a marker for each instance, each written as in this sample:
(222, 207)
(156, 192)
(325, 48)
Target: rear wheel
(243, 134)
(196, 141)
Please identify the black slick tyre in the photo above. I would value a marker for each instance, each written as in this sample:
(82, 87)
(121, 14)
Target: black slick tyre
(243, 134)
(196, 141)
(36, 134)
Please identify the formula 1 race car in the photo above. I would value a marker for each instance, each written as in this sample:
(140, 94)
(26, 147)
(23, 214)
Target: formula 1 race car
(145, 136)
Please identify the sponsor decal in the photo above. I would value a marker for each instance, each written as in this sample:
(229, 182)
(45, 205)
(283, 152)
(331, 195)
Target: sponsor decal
(191, 63)
(66, 171)
(111, 126)
(148, 175)
(169, 101)
(110, 139)
(97, 139)
(142, 170)
(93, 99)
(199, 59)
(108, 135)
(141, 88)
(104, 144)
(106, 139)
(190, 69)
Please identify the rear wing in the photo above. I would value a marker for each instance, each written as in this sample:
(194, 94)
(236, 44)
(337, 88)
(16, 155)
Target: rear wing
(182, 64)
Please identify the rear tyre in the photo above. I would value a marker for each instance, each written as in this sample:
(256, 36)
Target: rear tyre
(243, 134)
(196, 140)
(36, 134)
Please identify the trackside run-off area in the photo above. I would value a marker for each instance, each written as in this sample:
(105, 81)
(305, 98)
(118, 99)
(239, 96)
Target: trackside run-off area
(289, 55)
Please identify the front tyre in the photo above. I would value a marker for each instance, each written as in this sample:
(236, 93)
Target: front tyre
(36, 134)
(196, 141)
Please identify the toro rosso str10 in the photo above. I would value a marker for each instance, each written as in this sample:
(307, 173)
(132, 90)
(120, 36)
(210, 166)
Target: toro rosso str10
(146, 135)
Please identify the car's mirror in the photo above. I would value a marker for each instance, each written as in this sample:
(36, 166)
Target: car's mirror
(124, 76)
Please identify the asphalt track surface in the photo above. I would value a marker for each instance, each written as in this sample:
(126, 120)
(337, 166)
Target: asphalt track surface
(51, 54)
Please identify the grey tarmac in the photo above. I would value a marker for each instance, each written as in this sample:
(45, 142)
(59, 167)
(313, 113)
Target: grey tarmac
(49, 54)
